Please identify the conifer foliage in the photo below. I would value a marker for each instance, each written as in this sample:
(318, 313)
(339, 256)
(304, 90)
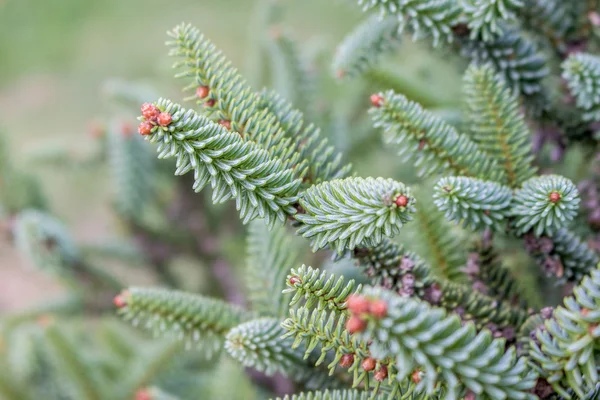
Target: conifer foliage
(491, 215)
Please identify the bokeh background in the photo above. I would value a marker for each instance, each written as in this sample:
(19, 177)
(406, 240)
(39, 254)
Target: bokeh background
(56, 55)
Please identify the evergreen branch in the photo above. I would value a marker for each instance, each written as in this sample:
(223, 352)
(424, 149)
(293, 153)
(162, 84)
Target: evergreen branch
(425, 18)
(132, 172)
(326, 332)
(319, 288)
(67, 358)
(500, 316)
(497, 124)
(516, 57)
(354, 211)
(290, 73)
(436, 145)
(545, 204)
(497, 279)
(475, 203)
(346, 394)
(365, 45)
(325, 163)
(391, 267)
(187, 317)
(270, 256)
(18, 190)
(260, 183)
(563, 254)
(575, 255)
(228, 99)
(46, 243)
(487, 16)
(566, 350)
(144, 371)
(551, 19)
(259, 344)
(582, 73)
(417, 335)
(436, 240)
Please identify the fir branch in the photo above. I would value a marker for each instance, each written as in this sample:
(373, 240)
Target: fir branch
(365, 45)
(545, 204)
(270, 256)
(499, 315)
(425, 18)
(436, 240)
(436, 145)
(46, 243)
(132, 172)
(497, 124)
(260, 183)
(354, 211)
(325, 163)
(566, 350)
(290, 73)
(486, 16)
(582, 73)
(259, 344)
(516, 57)
(477, 204)
(551, 19)
(326, 333)
(419, 336)
(226, 97)
(346, 394)
(314, 287)
(391, 267)
(18, 190)
(497, 279)
(187, 317)
(82, 379)
(563, 254)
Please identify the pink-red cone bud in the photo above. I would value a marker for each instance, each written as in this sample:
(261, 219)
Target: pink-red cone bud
(357, 304)
(347, 360)
(378, 308)
(376, 100)
(145, 128)
(356, 324)
(202, 91)
(150, 111)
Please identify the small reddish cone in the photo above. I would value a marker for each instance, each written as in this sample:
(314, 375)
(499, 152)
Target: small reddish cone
(416, 376)
(347, 360)
(369, 364)
(225, 123)
(554, 197)
(120, 300)
(202, 91)
(143, 394)
(585, 312)
(150, 111)
(145, 128)
(378, 308)
(356, 324)
(164, 119)
(401, 201)
(340, 73)
(376, 100)
(294, 279)
(357, 304)
(381, 374)
(210, 103)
